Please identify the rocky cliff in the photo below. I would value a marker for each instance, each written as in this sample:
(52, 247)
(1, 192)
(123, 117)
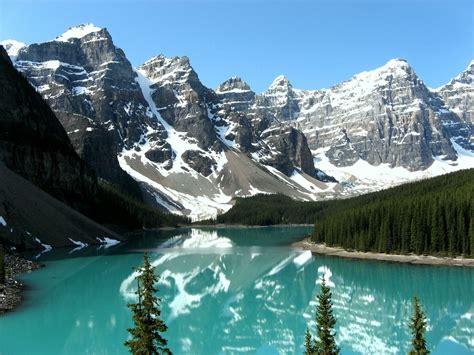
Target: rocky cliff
(36, 155)
(34, 144)
(90, 85)
(385, 116)
(458, 95)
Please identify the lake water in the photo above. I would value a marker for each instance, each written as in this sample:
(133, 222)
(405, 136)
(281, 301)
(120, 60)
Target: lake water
(235, 290)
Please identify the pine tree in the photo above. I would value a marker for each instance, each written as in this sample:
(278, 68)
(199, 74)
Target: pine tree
(471, 235)
(325, 322)
(146, 336)
(418, 327)
(308, 343)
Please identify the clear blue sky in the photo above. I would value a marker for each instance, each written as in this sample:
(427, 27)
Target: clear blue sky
(316, 44)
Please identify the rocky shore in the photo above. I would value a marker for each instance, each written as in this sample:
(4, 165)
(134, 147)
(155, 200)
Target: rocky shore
(10, 292)
(307, 244)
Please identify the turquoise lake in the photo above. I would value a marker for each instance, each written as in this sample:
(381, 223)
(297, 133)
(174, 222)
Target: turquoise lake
(227, 291)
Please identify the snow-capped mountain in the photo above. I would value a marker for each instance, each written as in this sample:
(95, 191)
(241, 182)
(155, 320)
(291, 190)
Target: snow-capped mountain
(193, 149)
(459, 95)
(161, 123)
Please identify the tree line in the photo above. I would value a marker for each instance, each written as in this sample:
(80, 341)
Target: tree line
(264, 210)
(432, 216)
(116, 209)
(428, 217)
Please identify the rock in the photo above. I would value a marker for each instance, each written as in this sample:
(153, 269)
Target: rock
(10, 291)
(458, 95)
(198, 162)
(160, 154)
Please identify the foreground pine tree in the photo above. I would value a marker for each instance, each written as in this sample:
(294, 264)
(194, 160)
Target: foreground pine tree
(146, 335)
(418, 328)
(308, 343)
(325, 343)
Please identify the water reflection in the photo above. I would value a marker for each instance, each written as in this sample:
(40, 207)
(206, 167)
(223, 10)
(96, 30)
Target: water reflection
(264, 301)
(234, 290)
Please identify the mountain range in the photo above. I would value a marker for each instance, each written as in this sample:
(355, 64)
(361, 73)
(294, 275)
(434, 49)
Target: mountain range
(158, 134)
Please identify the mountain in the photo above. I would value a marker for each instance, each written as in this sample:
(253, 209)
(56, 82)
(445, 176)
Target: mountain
(89, 84)
(191, 149)
(385, 116)
(164, 126)
(34, 144)
(459, 95)
(36, 155)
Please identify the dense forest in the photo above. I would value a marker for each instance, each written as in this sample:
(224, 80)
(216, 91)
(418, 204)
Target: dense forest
(122, 212)
(433, 216)
(267, 210)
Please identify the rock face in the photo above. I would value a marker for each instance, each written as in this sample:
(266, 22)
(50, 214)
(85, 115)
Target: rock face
(34, 144)
(383, 116)
(458, 95)
(90, 85)
(37, 156)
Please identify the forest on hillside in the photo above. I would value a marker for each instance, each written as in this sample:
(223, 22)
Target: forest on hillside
(433, 216)
(123, 212)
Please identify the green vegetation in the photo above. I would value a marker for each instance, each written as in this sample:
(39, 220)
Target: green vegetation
(433, 216)
(267, 210)
(146, 335)
(2, 265)
(325, 343)
(117, 209)
(418, 328)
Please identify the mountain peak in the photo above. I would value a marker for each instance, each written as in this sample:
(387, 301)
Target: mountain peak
(470, 67)
(234, 83)
(399, 65)
(280, 81)
(12, 47)
(78, 32)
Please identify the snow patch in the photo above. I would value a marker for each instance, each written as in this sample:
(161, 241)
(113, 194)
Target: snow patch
(303, 258)
(80, 245)
(325, 272)
(78, 32)
(12, 47)
(107, 242)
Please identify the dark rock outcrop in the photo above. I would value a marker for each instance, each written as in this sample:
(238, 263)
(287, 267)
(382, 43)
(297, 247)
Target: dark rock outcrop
(34, 144)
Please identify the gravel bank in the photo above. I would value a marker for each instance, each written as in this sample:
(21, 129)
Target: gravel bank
(306, 244)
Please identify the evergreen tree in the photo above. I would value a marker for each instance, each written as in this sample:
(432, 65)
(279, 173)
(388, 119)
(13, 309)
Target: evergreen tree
(146, 336)
(2, 265)
(418, 327)
(471, 235)
(325, 322)
(308, 343)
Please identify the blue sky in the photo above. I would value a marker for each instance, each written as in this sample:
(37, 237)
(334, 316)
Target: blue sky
(315, 44)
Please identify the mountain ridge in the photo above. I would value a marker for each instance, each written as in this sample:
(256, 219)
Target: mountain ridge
(175, 136)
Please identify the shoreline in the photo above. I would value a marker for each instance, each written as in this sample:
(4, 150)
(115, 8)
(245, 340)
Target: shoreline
(11, 290)
(306, 244)
(243, 226)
